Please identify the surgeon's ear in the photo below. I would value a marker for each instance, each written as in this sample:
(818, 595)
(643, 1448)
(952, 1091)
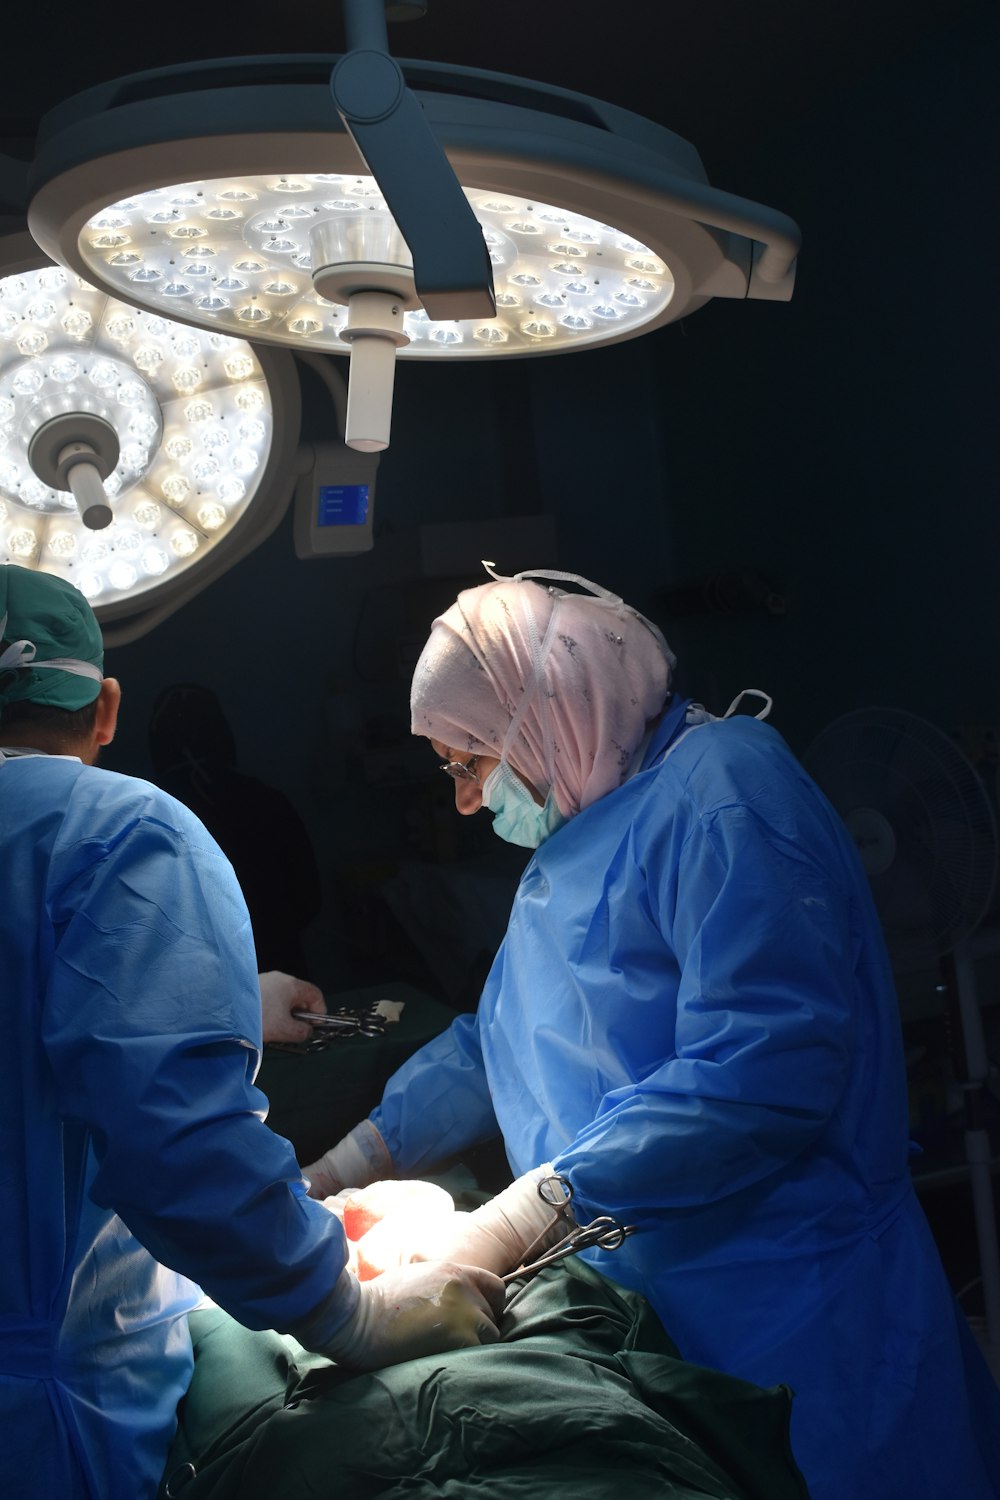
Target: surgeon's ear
(108, 702)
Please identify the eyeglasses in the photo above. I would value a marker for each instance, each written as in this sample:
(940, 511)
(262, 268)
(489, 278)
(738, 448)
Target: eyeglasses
(461, 772)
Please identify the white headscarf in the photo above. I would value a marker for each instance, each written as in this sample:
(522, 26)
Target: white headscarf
(562, 685)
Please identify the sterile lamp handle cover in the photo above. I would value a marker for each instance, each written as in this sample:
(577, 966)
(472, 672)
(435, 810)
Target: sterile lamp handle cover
(88, 491)
(76, 451)
(451, 264)
(374, 330)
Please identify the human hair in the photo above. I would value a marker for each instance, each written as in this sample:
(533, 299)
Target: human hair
(45, 726)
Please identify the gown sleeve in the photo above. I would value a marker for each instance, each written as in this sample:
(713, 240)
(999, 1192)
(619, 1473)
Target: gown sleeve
(438, 1102)
(763, 935)
(151, 1023)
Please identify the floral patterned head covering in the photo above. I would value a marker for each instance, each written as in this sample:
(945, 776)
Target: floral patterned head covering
(561, 685)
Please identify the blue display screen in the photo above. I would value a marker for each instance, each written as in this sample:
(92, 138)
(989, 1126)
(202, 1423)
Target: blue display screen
(342, 505)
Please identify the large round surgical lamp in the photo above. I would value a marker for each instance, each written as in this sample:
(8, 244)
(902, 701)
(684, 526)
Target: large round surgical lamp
(363, 206)
(139, 457)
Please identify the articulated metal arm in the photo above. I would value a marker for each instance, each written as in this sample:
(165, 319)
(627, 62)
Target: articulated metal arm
(451, 265)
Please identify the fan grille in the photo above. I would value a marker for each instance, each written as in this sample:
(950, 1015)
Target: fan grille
(923, 823)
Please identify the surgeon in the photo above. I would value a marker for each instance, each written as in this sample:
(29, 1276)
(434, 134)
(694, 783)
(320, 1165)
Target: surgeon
(135, 1160)
(691, 1024)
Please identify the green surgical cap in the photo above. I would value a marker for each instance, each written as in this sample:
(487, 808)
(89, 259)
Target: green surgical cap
(51, 649)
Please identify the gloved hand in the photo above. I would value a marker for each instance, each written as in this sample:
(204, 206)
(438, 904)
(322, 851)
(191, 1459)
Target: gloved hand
(280, 994)
(420, 1309)
(510, 1229)
(380, 1221)
(360, 1158)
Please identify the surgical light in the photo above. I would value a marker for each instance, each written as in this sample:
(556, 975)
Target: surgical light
(132, 447)
(560, 277)
(235, 196)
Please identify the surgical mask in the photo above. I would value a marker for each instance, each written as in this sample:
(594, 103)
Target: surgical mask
(517, 817)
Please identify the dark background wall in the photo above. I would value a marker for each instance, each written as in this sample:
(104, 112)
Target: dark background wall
(847, 444)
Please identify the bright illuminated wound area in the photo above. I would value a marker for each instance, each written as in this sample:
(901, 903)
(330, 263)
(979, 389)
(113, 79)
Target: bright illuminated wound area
(237, 254)
(189, 408)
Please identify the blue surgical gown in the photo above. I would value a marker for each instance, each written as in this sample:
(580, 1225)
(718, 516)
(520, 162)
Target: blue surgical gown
(131, 1135)
(693, 1017)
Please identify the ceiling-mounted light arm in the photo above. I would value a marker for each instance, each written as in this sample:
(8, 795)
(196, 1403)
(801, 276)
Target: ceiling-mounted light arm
(365, 25)
(451, 264)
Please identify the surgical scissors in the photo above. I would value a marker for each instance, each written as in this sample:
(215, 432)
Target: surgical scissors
(604, 1233)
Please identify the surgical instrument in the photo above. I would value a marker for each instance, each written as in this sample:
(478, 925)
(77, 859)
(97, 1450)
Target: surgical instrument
(355, 1023)
(603, 1233)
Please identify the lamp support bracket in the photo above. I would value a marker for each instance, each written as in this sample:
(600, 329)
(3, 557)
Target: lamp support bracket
(451, 264)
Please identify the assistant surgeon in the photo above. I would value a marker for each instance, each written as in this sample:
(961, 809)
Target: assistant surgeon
(135, 1160)
(692, 1021)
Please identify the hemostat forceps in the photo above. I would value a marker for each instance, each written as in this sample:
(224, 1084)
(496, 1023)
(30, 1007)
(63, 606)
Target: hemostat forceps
(604, 1233)
(344, 1025)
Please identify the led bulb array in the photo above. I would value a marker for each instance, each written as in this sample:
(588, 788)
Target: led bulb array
(191, 411)
(237, 254)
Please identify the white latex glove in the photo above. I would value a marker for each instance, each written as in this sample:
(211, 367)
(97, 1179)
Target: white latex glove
(360, 1158)
(510, 1229)
(280, 994)
(422, 1309)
